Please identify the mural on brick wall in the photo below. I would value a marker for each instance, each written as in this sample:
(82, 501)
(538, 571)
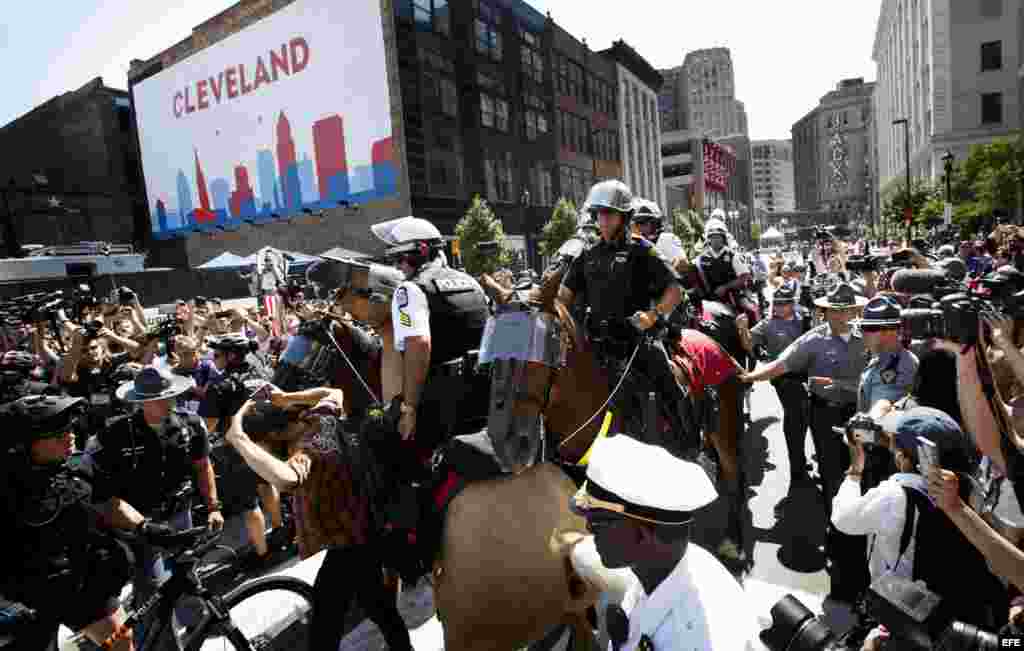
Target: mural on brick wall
(290, 114)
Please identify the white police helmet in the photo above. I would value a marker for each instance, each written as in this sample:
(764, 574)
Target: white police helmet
(406, 234)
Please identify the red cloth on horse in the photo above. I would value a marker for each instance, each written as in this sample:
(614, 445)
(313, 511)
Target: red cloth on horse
(709, 365)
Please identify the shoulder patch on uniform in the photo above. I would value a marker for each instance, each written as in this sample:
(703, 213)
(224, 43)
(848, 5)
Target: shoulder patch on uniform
(888, 376)
(401, 297)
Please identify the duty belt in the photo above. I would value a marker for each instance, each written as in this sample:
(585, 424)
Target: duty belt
(458, 367)
(612, 338)
(831, 404)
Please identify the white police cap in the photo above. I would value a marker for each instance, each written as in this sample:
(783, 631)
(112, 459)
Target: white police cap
(642, 481)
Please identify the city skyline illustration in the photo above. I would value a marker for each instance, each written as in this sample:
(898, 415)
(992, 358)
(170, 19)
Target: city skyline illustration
(284, 181)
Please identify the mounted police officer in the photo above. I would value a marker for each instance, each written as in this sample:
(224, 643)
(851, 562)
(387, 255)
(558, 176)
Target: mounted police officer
(438, 315)
(723, 272)
(648, 220)
(769, 339)
(148, 459)
(619, 279)
(59, 560)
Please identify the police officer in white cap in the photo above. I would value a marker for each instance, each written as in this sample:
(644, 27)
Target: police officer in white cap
(639, 502)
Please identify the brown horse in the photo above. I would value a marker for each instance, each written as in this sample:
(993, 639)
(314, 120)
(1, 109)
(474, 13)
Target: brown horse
(502, 580)
(572, 400)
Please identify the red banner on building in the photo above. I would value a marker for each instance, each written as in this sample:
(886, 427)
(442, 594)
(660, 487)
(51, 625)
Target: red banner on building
(719, 165)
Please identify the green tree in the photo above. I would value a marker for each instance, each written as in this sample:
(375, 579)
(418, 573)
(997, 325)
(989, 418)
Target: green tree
(480, 224)
(558, 229)
(926, 200)
(688, 226)
(755, 232)
(991, 180)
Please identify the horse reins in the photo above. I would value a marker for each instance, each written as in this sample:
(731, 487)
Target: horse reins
(330, 336)
(604, 406)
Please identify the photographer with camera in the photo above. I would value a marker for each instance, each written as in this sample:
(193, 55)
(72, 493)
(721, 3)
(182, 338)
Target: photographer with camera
(331, 514)
(909, 535)
(150, 459)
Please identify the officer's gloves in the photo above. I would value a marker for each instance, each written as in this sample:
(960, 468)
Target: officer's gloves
(156, 533)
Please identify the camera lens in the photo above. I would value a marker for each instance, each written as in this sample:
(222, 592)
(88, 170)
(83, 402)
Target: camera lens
(794, 628)
(965, 637)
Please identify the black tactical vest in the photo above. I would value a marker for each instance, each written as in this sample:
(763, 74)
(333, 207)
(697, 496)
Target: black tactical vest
(717, 271)
(51, 517)
(458, 312)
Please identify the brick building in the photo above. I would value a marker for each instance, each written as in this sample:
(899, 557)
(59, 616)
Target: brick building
(70, 170)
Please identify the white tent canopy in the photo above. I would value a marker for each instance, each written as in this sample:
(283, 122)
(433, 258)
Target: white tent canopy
(772, 234)
(226, 260)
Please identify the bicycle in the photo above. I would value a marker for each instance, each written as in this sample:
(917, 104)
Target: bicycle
(261, 615)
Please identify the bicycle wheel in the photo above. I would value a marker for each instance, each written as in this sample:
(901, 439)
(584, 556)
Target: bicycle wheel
(269, 614)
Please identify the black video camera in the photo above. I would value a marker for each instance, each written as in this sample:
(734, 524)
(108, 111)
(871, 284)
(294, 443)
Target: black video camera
(862, 263)
(914, 616)
(956, 318)
(91, 329)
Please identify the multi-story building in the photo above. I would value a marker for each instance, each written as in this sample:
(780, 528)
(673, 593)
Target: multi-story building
(683, 170)
(954, 71)
(672, 99)
(639, 129)
(773, 175)
(710, 87)
(70, 170)
(496, 100)
(832, 149)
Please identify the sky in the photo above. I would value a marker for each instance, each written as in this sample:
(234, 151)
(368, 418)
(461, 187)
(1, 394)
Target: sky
(786, 54)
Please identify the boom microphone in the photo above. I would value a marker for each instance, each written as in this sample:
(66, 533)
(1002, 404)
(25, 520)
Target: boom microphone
(917, 281)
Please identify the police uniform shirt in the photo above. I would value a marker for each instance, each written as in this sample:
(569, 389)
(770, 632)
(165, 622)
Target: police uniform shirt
(819, 353)
(410, 314)
(775, 335)
(619, 278)
(131, 461)
(888, 376)
(698, 606)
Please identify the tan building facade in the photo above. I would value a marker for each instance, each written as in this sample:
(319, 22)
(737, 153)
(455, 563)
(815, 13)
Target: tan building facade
(833, 147)
(953, 69)
(773, 175)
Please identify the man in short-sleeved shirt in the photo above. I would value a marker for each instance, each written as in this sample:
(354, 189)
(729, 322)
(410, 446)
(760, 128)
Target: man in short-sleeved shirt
(409, 314)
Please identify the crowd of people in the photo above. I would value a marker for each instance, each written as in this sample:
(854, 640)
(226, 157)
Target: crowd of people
(902, 360)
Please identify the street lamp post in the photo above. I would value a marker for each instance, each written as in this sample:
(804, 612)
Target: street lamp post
(524, 201)
(947, 164)
(909, 211)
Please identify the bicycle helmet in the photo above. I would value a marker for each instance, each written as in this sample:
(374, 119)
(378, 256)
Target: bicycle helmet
(32, 417)
(232, 343)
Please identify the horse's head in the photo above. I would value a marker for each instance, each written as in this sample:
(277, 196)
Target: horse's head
(364, 289)
(522, 345)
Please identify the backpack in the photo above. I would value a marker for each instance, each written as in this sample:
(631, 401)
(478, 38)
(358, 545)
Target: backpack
(952, 567)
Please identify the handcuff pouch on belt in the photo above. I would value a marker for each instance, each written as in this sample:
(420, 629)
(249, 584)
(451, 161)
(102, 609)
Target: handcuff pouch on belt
(613, 340)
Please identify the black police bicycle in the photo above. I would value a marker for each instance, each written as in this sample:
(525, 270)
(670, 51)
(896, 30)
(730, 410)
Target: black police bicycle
(266, 614)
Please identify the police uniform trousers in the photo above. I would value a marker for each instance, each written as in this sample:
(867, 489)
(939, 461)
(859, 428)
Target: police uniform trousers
(793, 397)
(846, 555)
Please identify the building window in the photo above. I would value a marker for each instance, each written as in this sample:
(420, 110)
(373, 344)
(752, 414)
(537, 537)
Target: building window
(498, 176)
(991, 108)
(570, 78)
(443, 168)
(575, 133)
(992, 56)
(449, 98)
(541, 193)
(486, 111)
(501, 115)
(432, 16)
(488, 33)
(531, 60)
